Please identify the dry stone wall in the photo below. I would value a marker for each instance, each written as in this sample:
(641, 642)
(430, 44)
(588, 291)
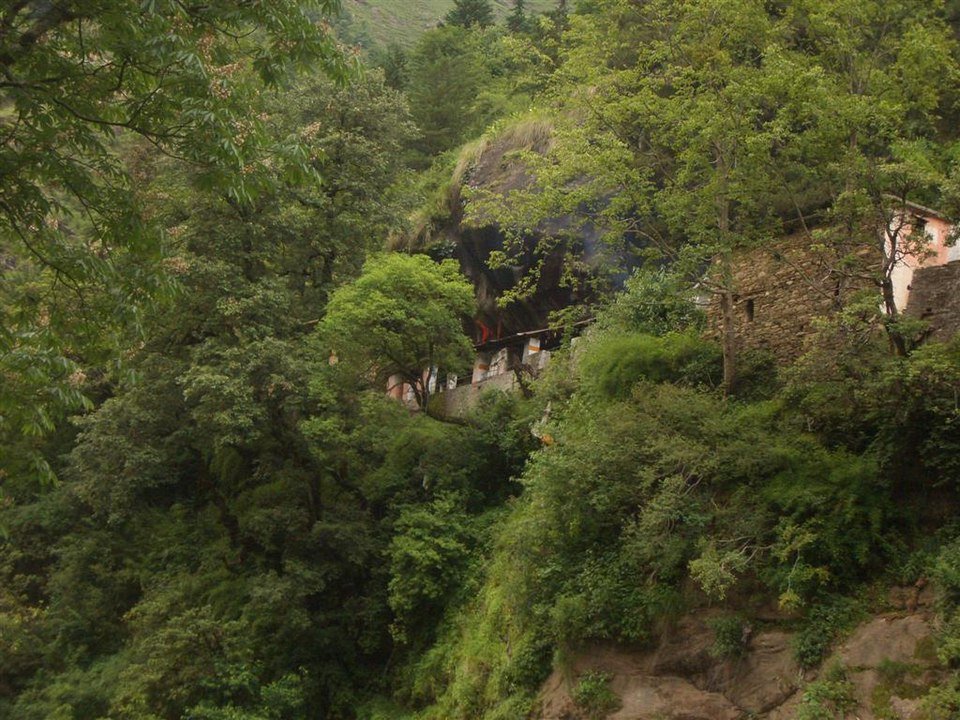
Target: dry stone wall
(935, 297)
(780, 289)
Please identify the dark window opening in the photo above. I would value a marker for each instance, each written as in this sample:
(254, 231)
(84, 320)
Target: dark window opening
(750, 310)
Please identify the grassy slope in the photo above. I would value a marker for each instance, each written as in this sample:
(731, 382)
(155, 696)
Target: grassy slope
(403, 20)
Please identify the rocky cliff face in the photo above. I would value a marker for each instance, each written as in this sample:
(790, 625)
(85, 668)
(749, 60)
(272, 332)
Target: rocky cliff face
(496, 170)
(553, 259)
(887, 662)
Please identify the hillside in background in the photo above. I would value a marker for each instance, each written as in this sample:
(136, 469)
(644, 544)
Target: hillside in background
(378, 22)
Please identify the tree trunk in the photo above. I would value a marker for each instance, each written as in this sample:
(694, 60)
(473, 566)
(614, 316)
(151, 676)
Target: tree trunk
(729, 338)
(728, 341)
(897, 342)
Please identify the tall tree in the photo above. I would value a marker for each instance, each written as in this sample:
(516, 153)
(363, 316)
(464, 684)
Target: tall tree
(467, 13)
(80, 80)
(403, 316)
(393, 59)
(517, 20)
(446, 76)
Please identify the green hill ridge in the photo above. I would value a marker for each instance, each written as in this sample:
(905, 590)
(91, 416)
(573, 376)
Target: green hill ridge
(401, 21)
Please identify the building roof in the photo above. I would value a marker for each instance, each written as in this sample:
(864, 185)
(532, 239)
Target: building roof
(921, 210)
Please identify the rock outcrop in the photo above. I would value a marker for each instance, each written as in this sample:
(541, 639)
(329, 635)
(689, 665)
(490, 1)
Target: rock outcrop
(888, 660)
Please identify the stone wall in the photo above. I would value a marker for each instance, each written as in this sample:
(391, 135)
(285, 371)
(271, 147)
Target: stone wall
(782, 288)
(458, 401)
(935, 297)
(779, 290)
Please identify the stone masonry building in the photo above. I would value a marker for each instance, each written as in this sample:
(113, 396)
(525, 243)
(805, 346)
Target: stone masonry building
(783, 287)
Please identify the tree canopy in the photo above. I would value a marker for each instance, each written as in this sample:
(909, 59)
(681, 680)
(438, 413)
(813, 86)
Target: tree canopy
(83, 84)
(403, 316)
(467, 13)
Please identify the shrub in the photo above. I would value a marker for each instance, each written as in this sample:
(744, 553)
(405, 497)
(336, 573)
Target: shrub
(946, 574)
(612, 365)
(825, 623)
(833, 523)
(829, 698)
(943, 701)
(427, 561)
(593, 695)
(529, 665)
(655, 302)
(757, 375)
(729, 638)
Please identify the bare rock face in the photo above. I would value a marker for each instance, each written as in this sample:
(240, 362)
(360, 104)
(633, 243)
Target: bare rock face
(905, 709)
(887, 639)
(643, 697)
(680, 679)
(919, 596)
(889, 661)
(685, 650)
(887, 656)
(787, 711)
(766, 676)
(669, 698)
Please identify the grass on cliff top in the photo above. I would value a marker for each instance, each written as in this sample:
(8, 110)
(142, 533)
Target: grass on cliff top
(402, 21)
(442, 182)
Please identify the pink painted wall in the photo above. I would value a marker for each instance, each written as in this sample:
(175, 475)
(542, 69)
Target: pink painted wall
(939, 253)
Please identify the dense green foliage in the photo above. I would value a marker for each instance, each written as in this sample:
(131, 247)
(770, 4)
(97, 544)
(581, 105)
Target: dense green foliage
(211, 510)
(403, 314)
(82, 82)
(467, 13)
(593, 695)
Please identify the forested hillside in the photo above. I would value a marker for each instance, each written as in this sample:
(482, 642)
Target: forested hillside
(248, 251)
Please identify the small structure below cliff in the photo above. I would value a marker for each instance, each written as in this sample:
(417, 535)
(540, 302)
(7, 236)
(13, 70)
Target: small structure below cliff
(506, 364)
(781, 289)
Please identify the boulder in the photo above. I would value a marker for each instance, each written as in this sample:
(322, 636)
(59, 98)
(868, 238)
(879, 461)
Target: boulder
(888, 639)
(669, 698)
(765, 677)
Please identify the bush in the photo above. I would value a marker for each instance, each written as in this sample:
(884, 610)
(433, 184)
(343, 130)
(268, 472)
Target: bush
(428, 555)
(729, 638)
(612, 364)
(943, 701)
(593, 695)
(834, 516)
(825, 624)
(529, 665)
(655, 302)
(829, 698)
(946, 575)
(757, 375)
